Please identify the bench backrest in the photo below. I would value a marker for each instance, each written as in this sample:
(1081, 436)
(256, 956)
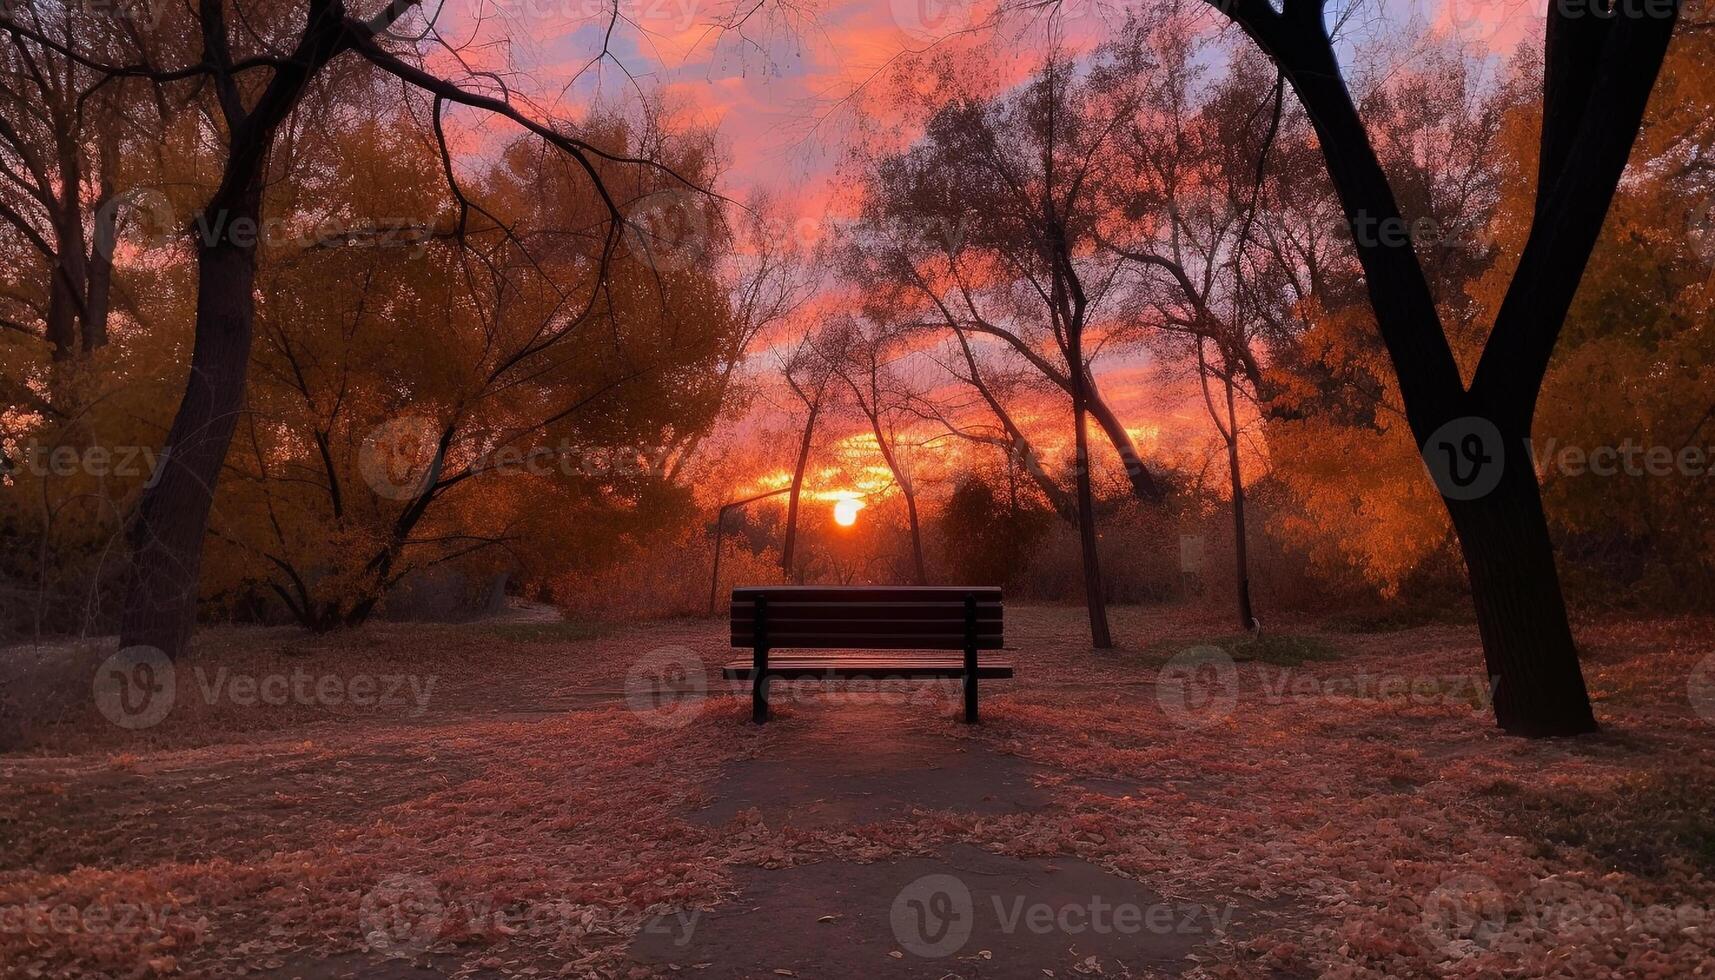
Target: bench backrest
(866, 617)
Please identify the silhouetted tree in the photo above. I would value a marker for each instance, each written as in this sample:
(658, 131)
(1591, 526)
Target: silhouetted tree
(1600, 64)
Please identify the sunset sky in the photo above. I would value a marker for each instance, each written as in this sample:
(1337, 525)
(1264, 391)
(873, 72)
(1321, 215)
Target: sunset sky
(790, 86)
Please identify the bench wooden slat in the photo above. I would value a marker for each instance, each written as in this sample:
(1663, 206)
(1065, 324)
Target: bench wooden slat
(848, 594)
(914, 611)
(740, 670)
(775, 631)
(866, 627)
(874, 641)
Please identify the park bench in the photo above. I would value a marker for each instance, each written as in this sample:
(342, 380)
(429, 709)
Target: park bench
(864, 618)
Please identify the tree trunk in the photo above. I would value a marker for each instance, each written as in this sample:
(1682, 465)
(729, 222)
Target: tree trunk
(1019, 448)
(66, 290)
(1241, 560)
(916, 533)
(63, 303)
(100, 275)
(789, 548)
(906, 491)
(166, 534)
(1024, 454)
(1143, 485)
(1537, 685)
(1094, 595)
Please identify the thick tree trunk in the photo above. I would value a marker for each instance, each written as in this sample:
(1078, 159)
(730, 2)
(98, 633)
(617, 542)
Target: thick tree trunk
(166, 534)
(788, 550)
(1537, 685)
(1598, 75)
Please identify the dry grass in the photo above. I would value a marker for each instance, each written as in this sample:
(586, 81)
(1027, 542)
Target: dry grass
(1387, 831)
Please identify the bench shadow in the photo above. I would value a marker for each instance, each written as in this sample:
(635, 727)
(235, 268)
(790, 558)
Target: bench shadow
(839, 760)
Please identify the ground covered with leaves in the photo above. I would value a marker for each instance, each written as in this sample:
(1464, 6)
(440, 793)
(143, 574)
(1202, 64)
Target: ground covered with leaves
(537, 799)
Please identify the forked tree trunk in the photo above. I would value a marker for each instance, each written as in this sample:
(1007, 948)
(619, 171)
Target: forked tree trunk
(1537, 686)
(166, 533)
(1598, 75)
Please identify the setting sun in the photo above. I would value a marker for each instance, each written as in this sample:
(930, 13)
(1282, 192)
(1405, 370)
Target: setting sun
(846, 511)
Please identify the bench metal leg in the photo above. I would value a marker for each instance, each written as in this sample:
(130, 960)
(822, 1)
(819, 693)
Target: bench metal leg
(759, 698)
(970, 659)
(759, 686)
(759, 664)
(969, 687)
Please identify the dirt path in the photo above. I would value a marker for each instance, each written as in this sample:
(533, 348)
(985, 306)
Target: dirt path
(850, 765)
